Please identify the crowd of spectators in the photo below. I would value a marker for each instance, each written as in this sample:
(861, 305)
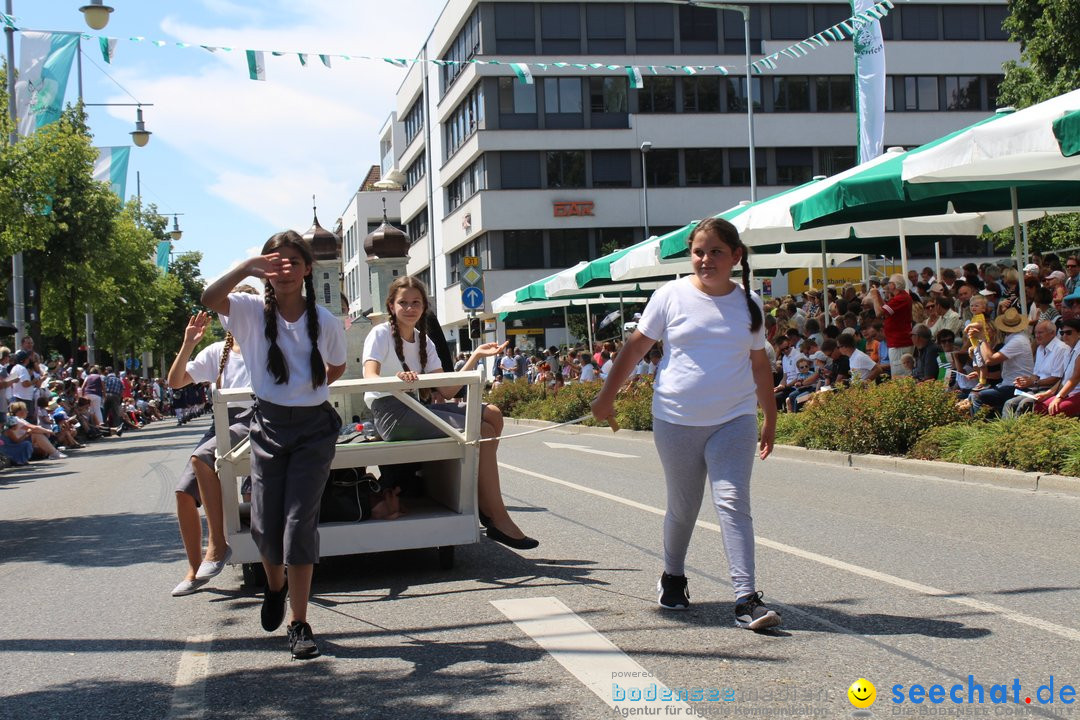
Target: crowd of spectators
(50, 406)
(965, 329)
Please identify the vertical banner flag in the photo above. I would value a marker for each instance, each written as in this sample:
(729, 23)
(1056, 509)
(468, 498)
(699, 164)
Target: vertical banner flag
(164, 247)
(256, 62)
(111, 166)
(869, 83)
(44, 67)
(108, 48)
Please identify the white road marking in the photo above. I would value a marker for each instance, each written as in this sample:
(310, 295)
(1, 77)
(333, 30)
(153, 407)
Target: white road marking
(189, 697)
(1060, 630)
(587, 449)
(588, 655)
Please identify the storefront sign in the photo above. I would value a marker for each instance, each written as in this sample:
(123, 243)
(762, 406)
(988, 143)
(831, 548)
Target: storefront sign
(574, 208)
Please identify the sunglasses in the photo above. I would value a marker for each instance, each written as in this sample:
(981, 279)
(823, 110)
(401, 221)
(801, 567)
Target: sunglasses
(1071, 265)
(1063, 333)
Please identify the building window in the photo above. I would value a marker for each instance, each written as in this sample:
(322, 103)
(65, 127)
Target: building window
(993, 86)
(836, 159)
(471, 181)
(835, 93)
(739, 164)
(655, 29)
(960, 22)
(607, 100)
(568, 247)
(519, 170)
(962, 93)
(791, 94)
(566, 169)
(515, 28)
(993, 18)
(464, 47)
(701, 93)
(609, 240)
(517, 105)
(611, 168)
(465, 120)
(563, 104)
(560, 28)
(414, 120)
(919, 22)
(523, 249)
(788, 22)
(704, 166)
(662, 168)
(416, 171)
(698, 30)
(921, 93)
(794, 166)
(735, 32)
(417, 227)
(890, 93)
(825, 16)
(657, 95)
(736, 93)
(605, 26)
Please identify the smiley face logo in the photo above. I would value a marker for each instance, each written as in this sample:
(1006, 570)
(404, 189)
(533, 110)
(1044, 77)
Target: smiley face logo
(862, 693)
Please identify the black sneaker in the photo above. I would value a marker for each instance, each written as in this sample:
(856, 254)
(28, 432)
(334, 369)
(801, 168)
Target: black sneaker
(301, 641)
(273, 607)
(672, 593)
(751, 613)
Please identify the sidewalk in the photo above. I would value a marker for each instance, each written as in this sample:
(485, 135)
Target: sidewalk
(1001, 477)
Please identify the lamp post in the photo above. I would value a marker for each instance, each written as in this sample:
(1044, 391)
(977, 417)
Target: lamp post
(96, 14)
(645, 148)
(745, 11)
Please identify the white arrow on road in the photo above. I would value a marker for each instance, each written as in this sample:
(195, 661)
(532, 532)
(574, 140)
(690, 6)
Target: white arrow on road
(587, 449)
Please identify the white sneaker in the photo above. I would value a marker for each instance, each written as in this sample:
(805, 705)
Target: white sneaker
(57, 456)
(187, 587)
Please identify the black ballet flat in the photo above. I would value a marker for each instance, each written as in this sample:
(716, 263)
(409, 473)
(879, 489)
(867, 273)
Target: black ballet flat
(484, 519)
(525, 543)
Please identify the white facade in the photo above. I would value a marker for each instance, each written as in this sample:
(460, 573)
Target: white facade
(489, 159)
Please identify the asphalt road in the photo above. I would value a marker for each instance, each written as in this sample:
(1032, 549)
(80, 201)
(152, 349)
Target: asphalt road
(904, 581)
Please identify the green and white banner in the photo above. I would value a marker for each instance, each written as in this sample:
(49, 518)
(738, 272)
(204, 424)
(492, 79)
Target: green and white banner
(44, 67)
(164, 247)
(112, 167)
(869, 82)
(256, 62)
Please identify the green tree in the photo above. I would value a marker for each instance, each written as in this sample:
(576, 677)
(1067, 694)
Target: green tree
(1047, 31)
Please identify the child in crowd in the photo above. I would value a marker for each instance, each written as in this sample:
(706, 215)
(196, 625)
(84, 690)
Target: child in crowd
(18, 429)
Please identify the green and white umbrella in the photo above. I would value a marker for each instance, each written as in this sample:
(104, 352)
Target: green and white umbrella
(1067, 132)
(645, 262)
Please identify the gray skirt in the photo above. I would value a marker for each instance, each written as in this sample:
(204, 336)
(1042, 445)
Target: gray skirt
(206, 450)
(397, 421)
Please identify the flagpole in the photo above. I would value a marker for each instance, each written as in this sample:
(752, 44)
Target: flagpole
(19, 310)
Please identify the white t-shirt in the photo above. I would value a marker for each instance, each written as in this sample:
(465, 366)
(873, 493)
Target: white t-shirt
(1050, 360)
(379, 346)
(588, 372)
(790, 365)
(245, 321)
(605, 370)
(20, 374)
(204, 368)
(1018, 358)
(1070, 367)
(861, 364)
(705, 377)
(508, 364)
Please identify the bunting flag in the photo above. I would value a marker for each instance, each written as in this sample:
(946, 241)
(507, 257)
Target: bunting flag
(325, 60)
(256, 62)
(523, 72)
(303, 59)
(44, 68)
(870, 82)
(635, 78)
(111, 166)
(164, 247)
(108, 48)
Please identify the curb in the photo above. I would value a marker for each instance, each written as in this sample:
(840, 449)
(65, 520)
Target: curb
(999, 477)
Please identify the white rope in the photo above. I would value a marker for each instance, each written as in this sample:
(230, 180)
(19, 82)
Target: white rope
(530, 432)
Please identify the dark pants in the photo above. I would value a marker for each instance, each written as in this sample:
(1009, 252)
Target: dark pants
(291, 452)
(994, 397)
(114, 412)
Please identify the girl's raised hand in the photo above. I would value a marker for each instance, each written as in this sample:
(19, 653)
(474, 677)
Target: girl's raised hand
(490, 349)
(196, 328)
(269, 266)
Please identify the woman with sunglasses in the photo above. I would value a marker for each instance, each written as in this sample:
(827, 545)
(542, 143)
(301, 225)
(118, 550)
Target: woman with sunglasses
(1064, 397)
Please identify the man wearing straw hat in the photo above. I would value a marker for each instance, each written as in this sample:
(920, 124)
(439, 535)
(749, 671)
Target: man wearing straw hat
(1014, 355)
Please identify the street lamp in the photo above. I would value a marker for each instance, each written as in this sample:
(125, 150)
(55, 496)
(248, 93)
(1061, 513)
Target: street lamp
(140, 135)
(176, 232)
(645, 148)
(96, 14)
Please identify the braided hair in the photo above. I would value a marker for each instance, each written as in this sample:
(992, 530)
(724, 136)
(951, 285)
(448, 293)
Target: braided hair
(275, 358)
(727, 234)
(408, 283)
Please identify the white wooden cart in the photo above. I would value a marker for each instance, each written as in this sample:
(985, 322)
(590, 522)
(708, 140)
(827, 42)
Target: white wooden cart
(446, 517)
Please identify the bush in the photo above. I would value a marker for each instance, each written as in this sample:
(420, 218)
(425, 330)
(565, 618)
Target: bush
(509, 395)
(886, 419)
(790, 428)
(633, 406)
(1031, 442)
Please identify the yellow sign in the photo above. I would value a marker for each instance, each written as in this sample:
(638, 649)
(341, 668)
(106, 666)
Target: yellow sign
(471, 261)
(525, 331)
(799, 282)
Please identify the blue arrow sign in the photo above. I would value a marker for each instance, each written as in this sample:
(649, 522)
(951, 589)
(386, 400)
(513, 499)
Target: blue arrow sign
(472, 298)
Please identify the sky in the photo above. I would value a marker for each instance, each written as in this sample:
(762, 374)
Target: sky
(239, 158)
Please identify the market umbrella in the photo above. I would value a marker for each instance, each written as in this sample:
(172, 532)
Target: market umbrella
(1067, 132)
(645, 262)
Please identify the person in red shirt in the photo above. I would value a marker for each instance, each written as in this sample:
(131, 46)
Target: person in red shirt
(895, 311)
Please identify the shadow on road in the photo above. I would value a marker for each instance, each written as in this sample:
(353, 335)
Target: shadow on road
(92, 540)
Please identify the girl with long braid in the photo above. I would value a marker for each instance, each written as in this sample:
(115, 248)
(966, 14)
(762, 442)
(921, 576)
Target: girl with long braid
(220, 363)
(713, 375)
(295, 349)
(401, 348)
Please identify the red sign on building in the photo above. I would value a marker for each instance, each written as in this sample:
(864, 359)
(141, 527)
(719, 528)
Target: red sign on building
(574, 208)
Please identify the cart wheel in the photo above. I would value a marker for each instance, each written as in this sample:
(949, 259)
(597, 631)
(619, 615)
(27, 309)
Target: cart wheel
(254, 575)
(446, 556)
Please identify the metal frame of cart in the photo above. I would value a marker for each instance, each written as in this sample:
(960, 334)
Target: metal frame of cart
(449, 469)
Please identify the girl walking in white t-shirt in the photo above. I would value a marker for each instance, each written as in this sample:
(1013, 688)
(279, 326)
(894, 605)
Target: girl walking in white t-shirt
(295, 349)
(401, 348)
(713, 375)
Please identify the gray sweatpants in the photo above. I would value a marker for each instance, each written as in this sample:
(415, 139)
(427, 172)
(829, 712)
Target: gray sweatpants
(725, 455)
